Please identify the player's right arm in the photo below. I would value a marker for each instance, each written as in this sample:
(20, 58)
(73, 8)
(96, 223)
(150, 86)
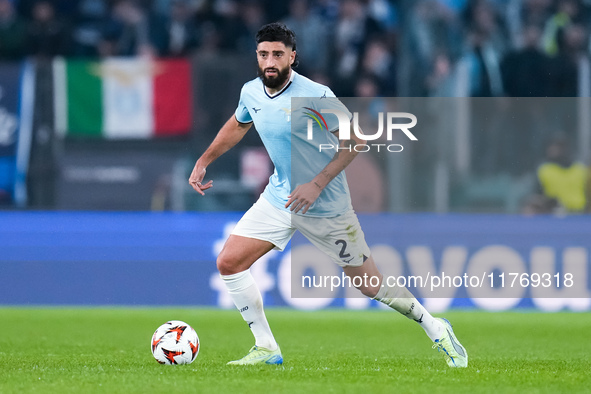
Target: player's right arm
(228, 136)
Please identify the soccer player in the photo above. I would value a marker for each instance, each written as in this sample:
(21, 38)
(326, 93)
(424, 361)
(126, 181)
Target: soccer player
(319, 207)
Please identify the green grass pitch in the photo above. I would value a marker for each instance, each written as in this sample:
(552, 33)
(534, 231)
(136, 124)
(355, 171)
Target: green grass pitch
(106, 350)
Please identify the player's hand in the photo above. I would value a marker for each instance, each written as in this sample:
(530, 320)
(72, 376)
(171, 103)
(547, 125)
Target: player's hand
(303, 197)
(197, 177)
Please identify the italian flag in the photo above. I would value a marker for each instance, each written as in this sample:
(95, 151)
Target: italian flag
(122, 98)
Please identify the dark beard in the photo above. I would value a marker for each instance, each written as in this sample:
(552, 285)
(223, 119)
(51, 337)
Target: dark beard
(274, 82)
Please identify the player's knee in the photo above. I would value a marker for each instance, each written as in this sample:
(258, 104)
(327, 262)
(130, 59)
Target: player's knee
(226, 265)
(370, 292)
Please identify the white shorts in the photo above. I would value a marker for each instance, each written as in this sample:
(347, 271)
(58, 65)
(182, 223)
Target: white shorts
(340, 237)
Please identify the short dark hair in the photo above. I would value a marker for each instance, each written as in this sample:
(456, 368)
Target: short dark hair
(278, 32)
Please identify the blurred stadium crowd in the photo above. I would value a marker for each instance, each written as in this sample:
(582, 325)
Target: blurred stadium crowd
(168, 28)
(521, 48)
(360, 48)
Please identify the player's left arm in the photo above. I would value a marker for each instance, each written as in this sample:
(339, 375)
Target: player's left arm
(303, 196)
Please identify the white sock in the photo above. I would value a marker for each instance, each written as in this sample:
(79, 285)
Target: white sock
(402, 300)
(248, 300)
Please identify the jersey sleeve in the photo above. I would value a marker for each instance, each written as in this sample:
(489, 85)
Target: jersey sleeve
(242, 115)
(330, 101)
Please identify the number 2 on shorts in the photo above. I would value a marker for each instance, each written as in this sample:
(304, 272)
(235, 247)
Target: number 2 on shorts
(342, 253)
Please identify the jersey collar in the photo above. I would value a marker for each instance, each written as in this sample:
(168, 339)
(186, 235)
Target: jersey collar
(272, 96)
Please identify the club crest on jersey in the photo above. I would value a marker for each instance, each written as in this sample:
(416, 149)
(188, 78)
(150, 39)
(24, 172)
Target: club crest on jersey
(287, 114)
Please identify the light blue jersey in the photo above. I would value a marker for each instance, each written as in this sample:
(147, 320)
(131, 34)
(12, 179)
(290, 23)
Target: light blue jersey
(272, 117)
